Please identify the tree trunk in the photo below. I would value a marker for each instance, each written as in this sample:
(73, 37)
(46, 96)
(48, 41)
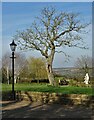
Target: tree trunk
(50, 74)
(49, 62)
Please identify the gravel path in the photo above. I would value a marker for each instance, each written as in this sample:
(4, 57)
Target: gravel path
(26, 109)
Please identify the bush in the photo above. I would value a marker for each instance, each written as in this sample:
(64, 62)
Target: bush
(72, 82)
(24, 80)
(40, 81)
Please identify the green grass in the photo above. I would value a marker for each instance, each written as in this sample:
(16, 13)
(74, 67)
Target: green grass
(47, 88)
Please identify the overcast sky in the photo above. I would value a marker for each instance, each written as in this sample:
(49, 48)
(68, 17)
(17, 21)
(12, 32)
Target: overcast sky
(19, 16)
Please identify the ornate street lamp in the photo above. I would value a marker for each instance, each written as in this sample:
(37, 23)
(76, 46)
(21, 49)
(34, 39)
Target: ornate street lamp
(13, 47)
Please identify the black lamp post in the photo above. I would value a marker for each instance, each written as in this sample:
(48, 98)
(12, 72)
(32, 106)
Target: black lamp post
(13, 47)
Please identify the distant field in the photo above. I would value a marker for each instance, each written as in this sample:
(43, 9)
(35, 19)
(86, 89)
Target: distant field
(47, 88)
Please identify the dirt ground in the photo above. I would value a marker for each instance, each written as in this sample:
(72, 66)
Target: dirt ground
(26, 109)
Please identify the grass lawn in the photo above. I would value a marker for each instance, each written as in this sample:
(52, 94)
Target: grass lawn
(46, 88)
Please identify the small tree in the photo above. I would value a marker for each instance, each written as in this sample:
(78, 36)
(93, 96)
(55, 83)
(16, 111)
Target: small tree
(0, 75)
(37, 68)
(50, 31)
(20, 63)
(6, 67)
(84, 62)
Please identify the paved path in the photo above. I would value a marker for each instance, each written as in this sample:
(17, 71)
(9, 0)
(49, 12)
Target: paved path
(26, 109)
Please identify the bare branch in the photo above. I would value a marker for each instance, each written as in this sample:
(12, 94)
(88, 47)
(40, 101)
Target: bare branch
(55, 30)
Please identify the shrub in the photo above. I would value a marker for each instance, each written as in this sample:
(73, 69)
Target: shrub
(72, 82)
(40, 81)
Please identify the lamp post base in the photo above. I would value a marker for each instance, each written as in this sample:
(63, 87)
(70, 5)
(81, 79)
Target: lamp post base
(13, 95)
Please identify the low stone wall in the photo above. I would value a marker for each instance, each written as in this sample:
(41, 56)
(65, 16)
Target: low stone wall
(72, 99)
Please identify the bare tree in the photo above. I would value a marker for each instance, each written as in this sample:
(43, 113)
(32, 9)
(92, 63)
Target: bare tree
(6, 63)
(50, 31)
(20, 63)
(0, 71)
(84, 62)
(6, 67)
